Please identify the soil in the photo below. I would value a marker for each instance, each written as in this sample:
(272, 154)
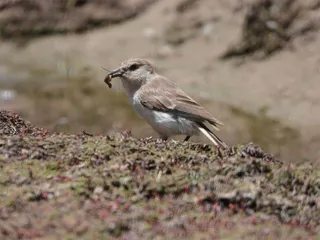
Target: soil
(88, 186)
(270, 26)
(34, 18)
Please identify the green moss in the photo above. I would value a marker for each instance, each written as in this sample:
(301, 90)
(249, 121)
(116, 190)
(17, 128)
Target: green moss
(114, 186)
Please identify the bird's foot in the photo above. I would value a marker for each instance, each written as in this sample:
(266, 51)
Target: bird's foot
(164, 139)
(186, 139)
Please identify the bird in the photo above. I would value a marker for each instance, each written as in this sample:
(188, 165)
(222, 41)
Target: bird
(162, 104)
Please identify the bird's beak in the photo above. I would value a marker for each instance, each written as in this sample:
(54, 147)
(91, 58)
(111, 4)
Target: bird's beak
(116, 73)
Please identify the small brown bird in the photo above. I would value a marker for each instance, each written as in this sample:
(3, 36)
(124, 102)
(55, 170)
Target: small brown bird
(162, 104)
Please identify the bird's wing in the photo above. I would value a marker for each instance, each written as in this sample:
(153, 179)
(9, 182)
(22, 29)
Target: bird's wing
(163, 95)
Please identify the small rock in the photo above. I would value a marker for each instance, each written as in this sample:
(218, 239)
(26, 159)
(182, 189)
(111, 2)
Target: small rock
(24, 151)
(165, 51)
(7, 94)
(150, 33)
(207, 29)
(63, 121)
(98, 190)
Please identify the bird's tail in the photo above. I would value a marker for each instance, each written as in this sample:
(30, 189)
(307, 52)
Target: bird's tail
(211, 136)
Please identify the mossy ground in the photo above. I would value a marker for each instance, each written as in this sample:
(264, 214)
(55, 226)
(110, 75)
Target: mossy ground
(56, 185)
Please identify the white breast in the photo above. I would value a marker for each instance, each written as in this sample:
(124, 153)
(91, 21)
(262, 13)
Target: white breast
(166, 124)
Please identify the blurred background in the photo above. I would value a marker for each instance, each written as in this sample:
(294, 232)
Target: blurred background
(254, 64)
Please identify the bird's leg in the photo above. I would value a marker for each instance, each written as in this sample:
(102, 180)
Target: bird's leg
(164, 138)
(186, 139)
(219, 152)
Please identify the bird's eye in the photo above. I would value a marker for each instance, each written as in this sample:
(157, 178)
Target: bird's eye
(133, 67)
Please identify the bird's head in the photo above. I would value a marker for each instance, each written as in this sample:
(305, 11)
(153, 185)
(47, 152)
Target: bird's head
(134, 73)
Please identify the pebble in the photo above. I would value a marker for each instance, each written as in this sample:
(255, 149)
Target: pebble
(207, 29)
(98, 190)
(165, 51)
(150, 33)
(7, 95)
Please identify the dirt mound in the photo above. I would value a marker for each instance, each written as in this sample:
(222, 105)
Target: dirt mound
(270, 25)
(13, 124)
(30, 18)
(117, 186)
(191, 16)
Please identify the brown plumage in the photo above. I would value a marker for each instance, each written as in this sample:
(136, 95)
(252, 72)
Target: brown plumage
(163, 95)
